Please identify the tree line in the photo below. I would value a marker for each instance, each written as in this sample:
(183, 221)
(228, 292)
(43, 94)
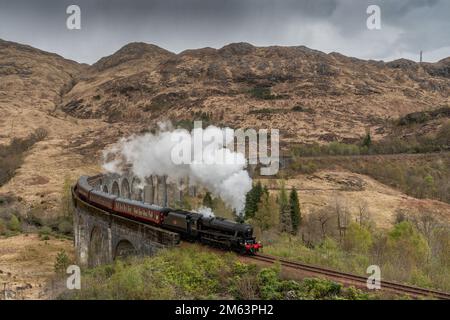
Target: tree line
(267, 210)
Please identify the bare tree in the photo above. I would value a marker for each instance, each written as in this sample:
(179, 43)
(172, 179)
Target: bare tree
(324, 217)
(363, 213)
(342, 216)
(425, 222)
(319, 224)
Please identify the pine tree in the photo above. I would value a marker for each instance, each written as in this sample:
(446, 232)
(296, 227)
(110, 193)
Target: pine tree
(367, 141)
(252, 198)
(240, 218)
(294, 207)
(258, 191)
(207, 200)
(283, 205)
(14, 223)
(62, 262)
(249, 203)
(264, 217)
(265, 190)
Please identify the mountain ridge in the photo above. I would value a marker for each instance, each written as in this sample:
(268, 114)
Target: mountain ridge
(241, 84)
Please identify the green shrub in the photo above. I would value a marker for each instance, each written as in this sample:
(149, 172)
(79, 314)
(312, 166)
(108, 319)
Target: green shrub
(407, 248)
(2, 227)
(420, 279)
(332, 149)
(357, 238)
(272, 287)
(184, 124)
(305, 167)
(320, 288)
(302, 109)
(265, 111)
(65, 227)
(269, 284)
(62, 262)
(35, 216)
(14, 223)
(261, 93)
(45, 232)
(351, 293)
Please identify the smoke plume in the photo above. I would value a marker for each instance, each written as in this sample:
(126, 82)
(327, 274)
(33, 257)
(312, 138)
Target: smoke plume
(202, 155)
(206, 212)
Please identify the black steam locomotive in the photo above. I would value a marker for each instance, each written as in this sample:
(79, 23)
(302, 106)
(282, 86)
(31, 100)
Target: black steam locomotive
(190, 225)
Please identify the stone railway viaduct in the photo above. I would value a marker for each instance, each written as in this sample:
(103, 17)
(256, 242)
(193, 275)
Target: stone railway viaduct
(101, 237)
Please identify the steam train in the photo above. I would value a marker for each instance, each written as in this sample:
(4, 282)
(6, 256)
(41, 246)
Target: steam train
(190, 225)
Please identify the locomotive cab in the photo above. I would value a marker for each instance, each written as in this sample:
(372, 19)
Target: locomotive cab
(184, 222)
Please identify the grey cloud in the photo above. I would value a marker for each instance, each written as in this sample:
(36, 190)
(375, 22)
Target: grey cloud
(329, 25)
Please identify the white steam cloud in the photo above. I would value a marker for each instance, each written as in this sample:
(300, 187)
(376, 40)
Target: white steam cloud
(206, 212)
(202, 155)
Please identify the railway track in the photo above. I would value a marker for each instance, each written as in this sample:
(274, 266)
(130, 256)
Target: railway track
(353, 279)
(393, 156)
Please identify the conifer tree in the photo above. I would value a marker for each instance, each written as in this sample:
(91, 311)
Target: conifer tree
(283, 205)
(294, 207)
(367, 141)
(264, 217)
(207, 200)
(252, 198)
(265, 190)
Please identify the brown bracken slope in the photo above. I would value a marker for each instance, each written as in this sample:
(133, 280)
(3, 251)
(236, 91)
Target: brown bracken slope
(307, 94)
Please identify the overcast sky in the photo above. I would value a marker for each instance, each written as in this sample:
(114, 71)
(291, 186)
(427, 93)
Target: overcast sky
(407, 26)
